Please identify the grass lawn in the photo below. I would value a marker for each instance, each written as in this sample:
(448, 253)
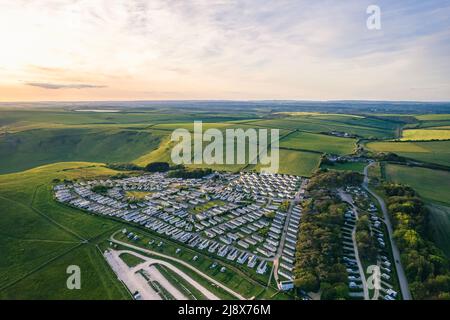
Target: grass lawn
(130, 259)
(49, 282)
(138, 195)
(180, 283)
(203, 207)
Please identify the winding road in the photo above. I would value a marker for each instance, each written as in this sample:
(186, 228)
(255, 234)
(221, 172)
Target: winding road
(403, 282)
(348, 198)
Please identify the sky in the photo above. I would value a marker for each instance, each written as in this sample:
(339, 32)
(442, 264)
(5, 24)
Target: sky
(78, 50)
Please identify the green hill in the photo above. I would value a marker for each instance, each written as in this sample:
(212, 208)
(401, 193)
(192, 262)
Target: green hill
(28, 149)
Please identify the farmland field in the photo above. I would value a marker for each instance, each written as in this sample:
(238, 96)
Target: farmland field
(433, 185)
(440, 226)
(430, 151)
(296, 162)
(312, 124)
(318, 142)
(426, 134)
(433, 117)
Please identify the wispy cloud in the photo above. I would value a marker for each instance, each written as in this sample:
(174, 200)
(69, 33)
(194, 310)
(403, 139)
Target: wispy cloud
(47, 85)
(285, 49)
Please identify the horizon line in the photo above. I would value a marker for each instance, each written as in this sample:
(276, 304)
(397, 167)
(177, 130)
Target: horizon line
(228, 100)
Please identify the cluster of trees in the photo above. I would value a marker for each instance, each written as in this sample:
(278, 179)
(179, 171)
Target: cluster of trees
(389, 156)
(120, 176)
(426, 266)
(190, 173)
(100, 189)
(157, 167)
(284, 206)
(334, 179)
(319, 247)
(367, 246)
(124, 166)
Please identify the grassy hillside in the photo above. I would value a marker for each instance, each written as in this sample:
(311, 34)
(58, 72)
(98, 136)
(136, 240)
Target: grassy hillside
(31, 148)
(295, 162)
(430, 151)
(40, 238)
(432, 185)
(440, 226)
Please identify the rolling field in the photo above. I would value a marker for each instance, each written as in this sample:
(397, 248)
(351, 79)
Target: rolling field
(295, 162)
(425, 134)
(42, 238)
(433, 117)
(431, 151)
(432, 185)
(440, 226)
(28, 149)
(318, 142)
(364, 127)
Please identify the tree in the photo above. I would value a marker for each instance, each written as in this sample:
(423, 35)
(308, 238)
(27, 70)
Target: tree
(307, 282)
(100, 189)
(157, 167)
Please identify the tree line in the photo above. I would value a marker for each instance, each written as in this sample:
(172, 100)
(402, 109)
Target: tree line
(318, 265)
(426, 266)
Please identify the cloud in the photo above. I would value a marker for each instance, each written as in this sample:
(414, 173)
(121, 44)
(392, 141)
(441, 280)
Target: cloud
(47, 85)
(213, 49)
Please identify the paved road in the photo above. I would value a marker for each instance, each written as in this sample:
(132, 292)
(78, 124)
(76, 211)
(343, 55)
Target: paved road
(148, 266)
(396, 254)
(217, 283)
(134, 282)
(276, 260)
(155, 275)
(348, 198)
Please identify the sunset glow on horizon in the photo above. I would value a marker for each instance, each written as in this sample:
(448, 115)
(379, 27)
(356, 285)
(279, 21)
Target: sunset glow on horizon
(235, 50)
